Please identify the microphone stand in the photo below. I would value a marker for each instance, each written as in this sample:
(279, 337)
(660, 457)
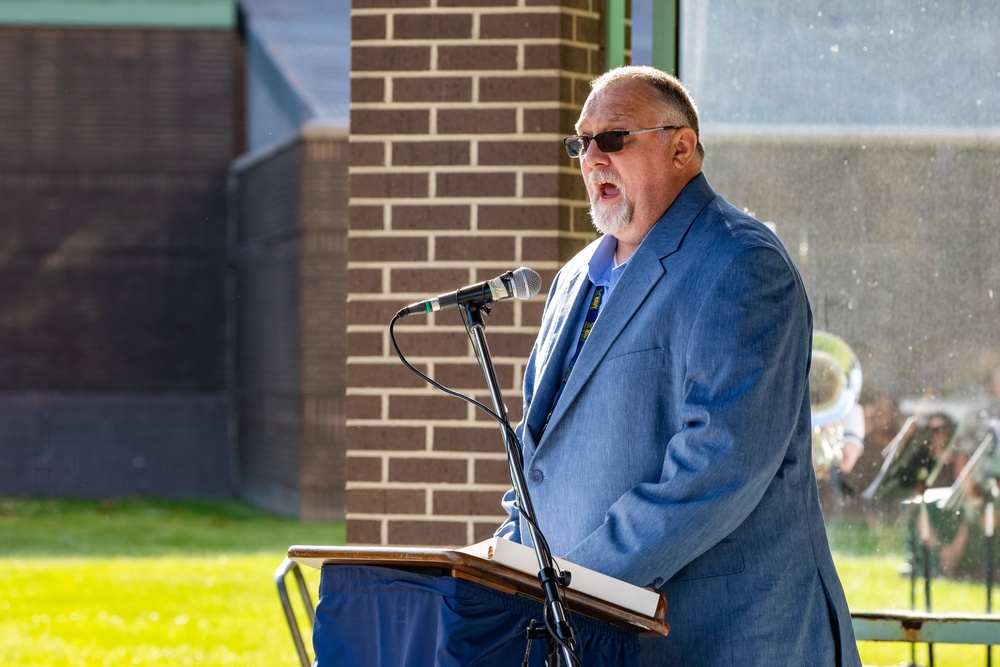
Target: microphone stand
(562, 643)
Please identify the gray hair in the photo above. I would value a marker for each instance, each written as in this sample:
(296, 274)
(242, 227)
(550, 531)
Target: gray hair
(673, 93)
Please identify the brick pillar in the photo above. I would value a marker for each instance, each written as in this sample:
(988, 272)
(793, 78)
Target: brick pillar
(457, 174)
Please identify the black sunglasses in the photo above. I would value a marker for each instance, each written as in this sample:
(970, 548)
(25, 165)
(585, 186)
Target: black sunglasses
(609, 142)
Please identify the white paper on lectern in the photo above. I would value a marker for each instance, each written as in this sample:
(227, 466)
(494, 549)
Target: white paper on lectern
(521, 558)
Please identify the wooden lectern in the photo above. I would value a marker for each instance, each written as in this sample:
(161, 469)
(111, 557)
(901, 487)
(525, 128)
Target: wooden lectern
(635, 611)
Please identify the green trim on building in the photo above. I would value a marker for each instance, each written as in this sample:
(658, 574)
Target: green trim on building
(666, 31)
(614, 17)
(120, 13)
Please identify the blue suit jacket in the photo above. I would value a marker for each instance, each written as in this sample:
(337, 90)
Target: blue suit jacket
(679, 454)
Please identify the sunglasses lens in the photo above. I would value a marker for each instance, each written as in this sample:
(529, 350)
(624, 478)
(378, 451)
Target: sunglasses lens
(575, 146)
(610, 142)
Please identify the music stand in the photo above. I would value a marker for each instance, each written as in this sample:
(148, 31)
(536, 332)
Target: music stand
(893, 454)
(984, 455)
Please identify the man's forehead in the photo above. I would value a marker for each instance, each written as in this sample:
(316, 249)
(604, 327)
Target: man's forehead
(603, 116)
(621, 102)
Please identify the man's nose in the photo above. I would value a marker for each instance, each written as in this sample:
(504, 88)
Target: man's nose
(594, 156)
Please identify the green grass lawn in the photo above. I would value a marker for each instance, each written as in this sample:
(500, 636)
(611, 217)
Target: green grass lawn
(131, 582)
(869, 559)
(141, 582)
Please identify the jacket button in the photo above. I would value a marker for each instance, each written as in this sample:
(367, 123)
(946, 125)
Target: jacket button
(536, 476)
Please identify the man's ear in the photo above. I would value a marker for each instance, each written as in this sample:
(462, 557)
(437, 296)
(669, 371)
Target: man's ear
(685, 143)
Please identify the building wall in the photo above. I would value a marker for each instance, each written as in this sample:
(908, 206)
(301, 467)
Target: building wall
(113, 162)
(457, 174)
(291, 260)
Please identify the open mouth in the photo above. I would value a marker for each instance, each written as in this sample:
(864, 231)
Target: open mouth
(605, 186)
(607, 190)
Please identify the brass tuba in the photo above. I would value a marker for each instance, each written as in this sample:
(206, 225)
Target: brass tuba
(834, 390)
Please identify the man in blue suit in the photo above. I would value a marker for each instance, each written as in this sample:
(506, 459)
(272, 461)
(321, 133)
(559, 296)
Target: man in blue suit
(673, 448)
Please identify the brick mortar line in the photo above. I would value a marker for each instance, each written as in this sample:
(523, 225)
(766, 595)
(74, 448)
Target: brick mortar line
(526, 169)
(450, 264)
(471, 41)
(432, 361)
(455, 201)
(496, 11)
(516, 362)
(411, 423)
(464, 201)
(477, 234)
(499, 518)
(425, 486)
(490, 266)
(455, 136)
(554, 137)
(450, 233)
(467, 105)
(503, 104)
(531, 170)
(445, 328)
(388, 74)
(388, 296)
(481, 395)
(436, 327)
(412, 393)
(382, 329)
(408, 455)
(463, 169)
(375, 296)
(426, 360)
(417, 296)
(512, 328)
(461, 233)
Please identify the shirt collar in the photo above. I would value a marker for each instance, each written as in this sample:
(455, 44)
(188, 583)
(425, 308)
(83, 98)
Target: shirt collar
(602, 269)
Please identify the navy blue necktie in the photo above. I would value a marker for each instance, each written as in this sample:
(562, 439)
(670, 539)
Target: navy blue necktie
(588, 325)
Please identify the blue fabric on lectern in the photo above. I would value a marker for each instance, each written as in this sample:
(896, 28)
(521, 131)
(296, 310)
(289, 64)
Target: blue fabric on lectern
(377, 616)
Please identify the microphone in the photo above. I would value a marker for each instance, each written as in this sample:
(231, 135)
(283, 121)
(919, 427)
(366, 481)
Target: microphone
(520, 284)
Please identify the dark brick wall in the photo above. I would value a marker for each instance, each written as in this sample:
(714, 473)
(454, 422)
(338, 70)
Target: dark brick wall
(99, 445)
(113, 217)
(291, 262)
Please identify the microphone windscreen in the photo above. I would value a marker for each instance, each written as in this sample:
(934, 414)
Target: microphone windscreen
(525, 283)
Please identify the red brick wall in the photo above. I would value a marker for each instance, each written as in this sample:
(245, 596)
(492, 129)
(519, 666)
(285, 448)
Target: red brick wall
(457, 174)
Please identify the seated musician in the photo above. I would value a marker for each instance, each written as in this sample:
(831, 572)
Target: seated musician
(939, 465)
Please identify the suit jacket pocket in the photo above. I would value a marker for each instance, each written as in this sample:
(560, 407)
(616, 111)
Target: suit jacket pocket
(723, 559)
(634, 362)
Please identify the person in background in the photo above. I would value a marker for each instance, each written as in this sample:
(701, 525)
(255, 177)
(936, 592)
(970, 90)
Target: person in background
(882, 420)
(853, 439)
(666, 435)
(940, 466)
(976, 425)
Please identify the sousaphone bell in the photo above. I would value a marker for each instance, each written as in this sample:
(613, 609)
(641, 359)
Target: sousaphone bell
(834, 390)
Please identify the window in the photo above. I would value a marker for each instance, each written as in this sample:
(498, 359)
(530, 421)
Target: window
(868, 134)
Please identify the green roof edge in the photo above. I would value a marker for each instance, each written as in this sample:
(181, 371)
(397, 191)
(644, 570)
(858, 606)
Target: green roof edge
(118, 14)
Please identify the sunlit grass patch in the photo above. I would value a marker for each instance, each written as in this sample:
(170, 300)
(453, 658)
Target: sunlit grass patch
(145, 583)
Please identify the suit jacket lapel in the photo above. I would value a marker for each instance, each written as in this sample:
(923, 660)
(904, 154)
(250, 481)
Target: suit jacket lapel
(645, 269)
(565, 303)
(616, 312)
